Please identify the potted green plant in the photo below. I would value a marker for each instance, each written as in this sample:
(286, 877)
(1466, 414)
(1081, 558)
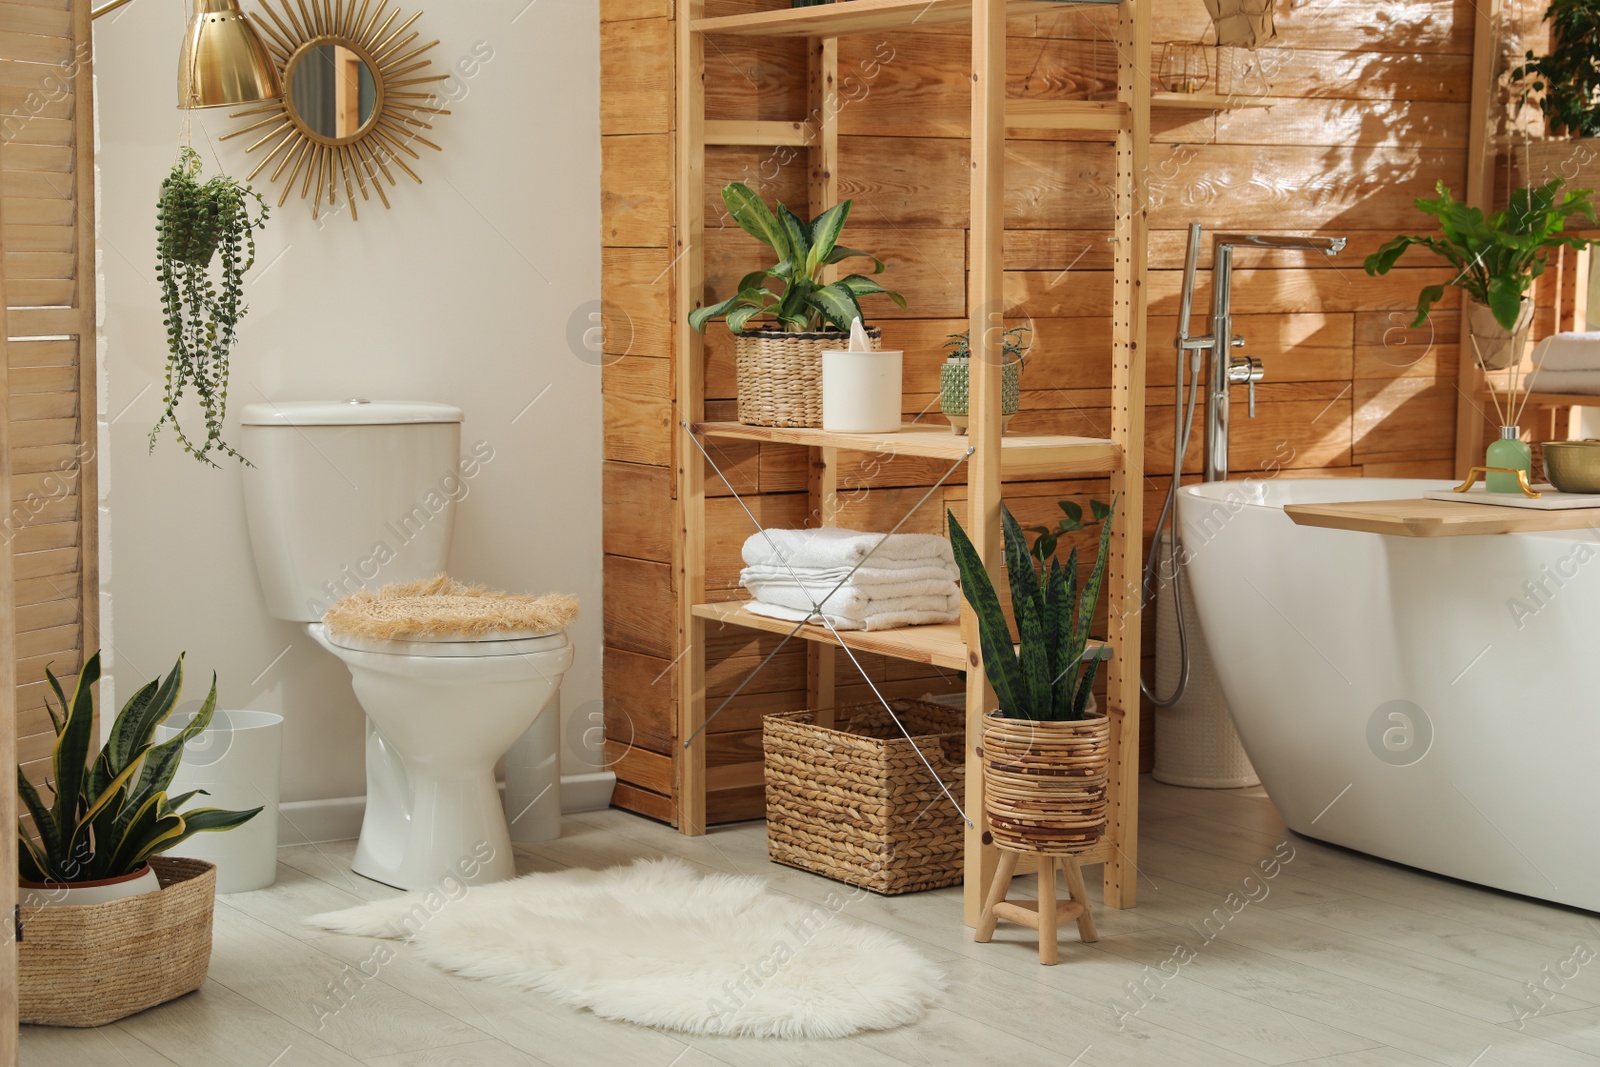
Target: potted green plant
(197, 223)
(1497, 257)
(780, 368)
(956, 375)
(96, 846)
(1047, 748)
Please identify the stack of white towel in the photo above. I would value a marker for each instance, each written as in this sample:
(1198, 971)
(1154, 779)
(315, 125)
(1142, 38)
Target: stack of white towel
(1567, 363)
(859, 581)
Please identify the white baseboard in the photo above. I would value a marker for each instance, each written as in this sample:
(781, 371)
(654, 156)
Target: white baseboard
(304, 822)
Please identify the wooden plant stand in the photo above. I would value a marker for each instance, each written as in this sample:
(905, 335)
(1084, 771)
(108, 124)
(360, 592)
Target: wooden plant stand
(1044, 914)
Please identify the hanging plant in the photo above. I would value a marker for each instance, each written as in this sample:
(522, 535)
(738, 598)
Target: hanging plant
(195, 225)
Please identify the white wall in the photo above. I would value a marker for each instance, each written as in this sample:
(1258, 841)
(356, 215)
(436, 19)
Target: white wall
(460, 294)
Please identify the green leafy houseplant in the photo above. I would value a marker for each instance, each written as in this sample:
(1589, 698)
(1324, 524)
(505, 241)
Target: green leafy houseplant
(802, 304)
(1497, 256)
(1046, 538)
(1015, 344)
(1566, 83)
(1046, 675)
(111, 814)
(196, 224)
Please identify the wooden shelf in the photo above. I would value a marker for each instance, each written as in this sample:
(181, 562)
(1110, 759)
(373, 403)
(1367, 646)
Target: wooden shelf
(867, 16)
(1021, 455)
(938, 644)
(1067, 115)
(1437, 518)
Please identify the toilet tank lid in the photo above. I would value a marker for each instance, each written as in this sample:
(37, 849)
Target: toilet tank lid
(353, 412)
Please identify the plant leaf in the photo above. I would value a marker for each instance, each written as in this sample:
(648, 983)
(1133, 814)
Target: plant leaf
(199, 821)
(54, 851)
(825, 231)
(860, 285)
(840, 254)
(837, 304)
(70, 757)
(799, 236)
(994, 637)
(753, 217)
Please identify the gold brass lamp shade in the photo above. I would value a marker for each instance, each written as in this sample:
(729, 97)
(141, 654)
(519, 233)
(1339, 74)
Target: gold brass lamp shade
(224, 60)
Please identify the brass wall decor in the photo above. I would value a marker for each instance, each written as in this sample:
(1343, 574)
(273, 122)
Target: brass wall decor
(352, 108)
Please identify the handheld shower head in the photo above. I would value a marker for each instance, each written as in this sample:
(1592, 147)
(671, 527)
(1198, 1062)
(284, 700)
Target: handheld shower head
(1328, 246)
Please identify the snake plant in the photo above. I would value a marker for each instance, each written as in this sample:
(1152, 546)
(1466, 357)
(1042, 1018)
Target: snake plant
(110, 814)
(804, 304)
(1047, 676)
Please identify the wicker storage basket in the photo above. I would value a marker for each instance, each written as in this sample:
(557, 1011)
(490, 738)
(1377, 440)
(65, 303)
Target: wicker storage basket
(1044, 783)
(856, 804)
(94, 964)
(780, 374)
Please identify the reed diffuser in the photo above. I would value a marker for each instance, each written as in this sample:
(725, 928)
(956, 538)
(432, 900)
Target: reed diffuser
(1508, 451)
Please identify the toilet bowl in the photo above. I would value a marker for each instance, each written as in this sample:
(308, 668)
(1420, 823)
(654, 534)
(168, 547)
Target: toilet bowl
(346, 497)
(440, 713)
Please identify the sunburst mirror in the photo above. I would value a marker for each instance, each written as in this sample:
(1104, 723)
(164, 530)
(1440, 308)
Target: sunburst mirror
(354, 104)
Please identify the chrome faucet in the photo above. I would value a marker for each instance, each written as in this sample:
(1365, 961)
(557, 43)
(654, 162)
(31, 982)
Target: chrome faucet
(1227, 370)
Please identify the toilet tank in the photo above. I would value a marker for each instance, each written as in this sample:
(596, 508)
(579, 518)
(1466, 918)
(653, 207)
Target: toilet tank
(346, 495)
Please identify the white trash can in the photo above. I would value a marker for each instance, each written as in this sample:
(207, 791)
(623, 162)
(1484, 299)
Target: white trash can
(236, 760)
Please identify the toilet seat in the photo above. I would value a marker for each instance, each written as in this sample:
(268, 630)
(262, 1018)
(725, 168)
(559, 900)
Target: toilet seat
(499, 644)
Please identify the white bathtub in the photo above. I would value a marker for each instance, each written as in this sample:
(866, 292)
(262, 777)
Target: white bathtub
(1432, 701)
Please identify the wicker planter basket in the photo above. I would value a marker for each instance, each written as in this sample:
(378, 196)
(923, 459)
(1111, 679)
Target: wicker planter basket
(780, 374)
(97, 963)
(1044, 783)
(856, 804)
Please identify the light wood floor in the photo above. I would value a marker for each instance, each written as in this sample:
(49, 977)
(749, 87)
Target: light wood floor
(1343, 961)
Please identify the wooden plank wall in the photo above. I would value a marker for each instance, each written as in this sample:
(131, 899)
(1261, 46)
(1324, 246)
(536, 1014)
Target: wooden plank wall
(46, 185)
(1375, 112)
(9, 800)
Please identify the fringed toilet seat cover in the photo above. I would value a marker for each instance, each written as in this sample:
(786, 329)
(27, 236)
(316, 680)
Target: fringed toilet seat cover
(443, 609)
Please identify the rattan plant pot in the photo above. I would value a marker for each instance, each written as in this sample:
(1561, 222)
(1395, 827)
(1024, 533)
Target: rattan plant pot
(780, 374)
(95, 964)
(856, 804)
(1044, 783)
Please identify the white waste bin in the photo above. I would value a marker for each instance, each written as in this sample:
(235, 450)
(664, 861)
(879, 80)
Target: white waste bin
(236, 760)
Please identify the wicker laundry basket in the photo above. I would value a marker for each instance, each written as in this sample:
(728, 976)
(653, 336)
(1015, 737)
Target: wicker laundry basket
(96, 963)
(780, 374)
(855, 803)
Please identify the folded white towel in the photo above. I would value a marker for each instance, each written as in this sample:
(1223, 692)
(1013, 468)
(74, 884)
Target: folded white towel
(869, 578)
(1581, 382)
(883, 621)
(1568, 352)
(859, 604)
(831, 548)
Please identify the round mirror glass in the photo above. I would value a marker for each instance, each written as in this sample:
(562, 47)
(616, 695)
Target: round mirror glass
(332, 91)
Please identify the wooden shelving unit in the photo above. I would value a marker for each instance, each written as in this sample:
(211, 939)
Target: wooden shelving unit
(989, 457)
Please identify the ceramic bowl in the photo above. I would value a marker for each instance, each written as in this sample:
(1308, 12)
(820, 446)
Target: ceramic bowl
(1573, 466)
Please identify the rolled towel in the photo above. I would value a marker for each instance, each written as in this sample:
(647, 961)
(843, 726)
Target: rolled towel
(857, 604)
(832, 548)
(1568, 352)
(1580, 382)
(866, 575)
(882, 621)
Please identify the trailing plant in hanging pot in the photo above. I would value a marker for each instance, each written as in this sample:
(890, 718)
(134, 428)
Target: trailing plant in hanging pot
(1566, 82)
(1047, 749)
(198, 224)
(780, 368)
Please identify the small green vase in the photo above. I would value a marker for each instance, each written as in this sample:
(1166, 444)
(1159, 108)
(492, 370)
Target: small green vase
(954, 379)
(1509, 451)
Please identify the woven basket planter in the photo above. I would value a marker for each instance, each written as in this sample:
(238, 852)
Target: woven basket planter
(1044, 783)
(856, 804)
(97, 963)
(780, 374)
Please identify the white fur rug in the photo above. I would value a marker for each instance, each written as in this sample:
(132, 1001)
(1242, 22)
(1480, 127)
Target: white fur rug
(660, 944)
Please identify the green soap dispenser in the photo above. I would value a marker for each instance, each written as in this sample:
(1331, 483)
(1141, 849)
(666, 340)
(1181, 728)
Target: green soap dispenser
(1510, 451)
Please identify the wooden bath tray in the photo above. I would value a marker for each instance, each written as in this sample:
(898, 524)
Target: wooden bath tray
(1438, 518)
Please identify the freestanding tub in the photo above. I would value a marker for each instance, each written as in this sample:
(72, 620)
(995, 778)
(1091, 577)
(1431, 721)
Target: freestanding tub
(1433, 701)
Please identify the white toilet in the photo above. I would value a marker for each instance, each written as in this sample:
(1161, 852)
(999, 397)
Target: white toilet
(352, 495)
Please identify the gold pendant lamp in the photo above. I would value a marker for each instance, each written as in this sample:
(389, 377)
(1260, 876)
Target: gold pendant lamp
(224, 62)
